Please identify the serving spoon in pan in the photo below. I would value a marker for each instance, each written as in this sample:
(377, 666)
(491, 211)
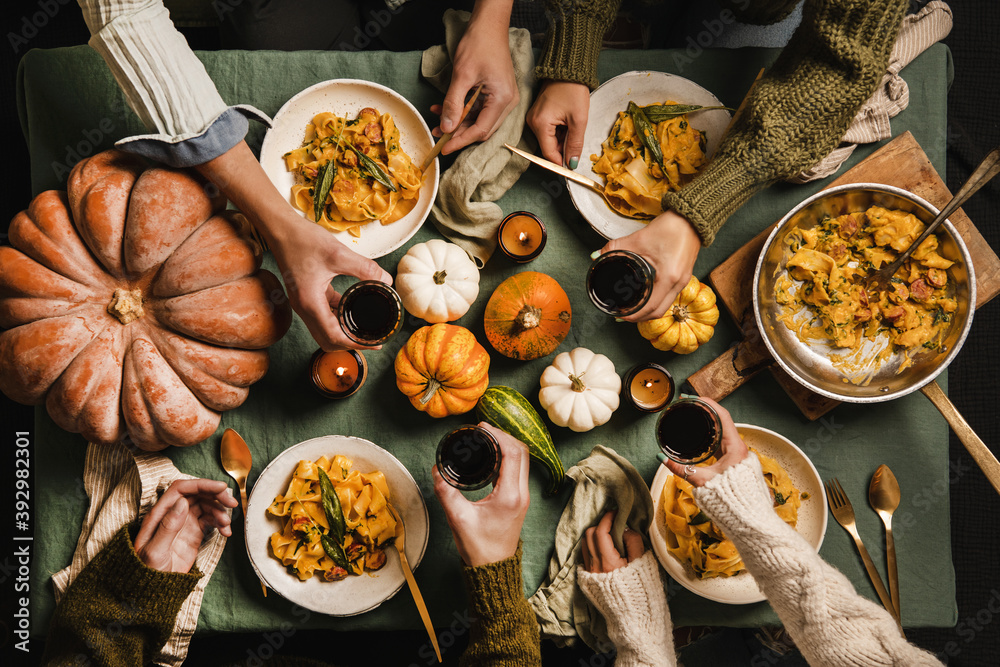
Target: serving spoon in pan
(987, 169)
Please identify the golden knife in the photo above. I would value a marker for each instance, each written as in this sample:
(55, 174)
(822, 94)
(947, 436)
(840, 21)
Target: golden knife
(559, 169)
(418, 599)
(436, 150)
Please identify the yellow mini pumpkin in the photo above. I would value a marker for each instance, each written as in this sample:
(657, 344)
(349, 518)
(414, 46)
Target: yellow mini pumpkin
(689, 323)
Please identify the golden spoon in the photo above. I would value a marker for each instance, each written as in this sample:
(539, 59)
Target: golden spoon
(237, 462)
(883, 495)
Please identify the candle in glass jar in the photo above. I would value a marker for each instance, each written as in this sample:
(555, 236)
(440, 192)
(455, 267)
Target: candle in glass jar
(522, 236)
(338, 374)
(649, 387)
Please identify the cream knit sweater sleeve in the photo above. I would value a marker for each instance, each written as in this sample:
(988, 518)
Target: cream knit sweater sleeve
(634, 605)
(831, 624)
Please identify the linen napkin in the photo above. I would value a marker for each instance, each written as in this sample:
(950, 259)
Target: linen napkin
(464, 211)
(121, 487)
(604, 481)
(917, 32)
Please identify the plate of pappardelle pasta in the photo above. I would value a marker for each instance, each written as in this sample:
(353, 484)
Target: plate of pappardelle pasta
(696, 554)
(290, 539)
(615, 155)
(358, 145)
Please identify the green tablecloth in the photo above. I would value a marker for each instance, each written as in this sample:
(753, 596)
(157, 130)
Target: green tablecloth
(70, 106)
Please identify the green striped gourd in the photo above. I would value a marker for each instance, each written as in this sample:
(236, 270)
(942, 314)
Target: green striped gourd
(511, 412)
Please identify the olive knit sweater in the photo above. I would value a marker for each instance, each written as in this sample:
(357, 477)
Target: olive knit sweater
(796, 114)
(118, 613)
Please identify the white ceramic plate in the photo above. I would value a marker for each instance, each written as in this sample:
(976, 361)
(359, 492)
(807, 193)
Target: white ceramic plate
(742, 589)
(613, 96)
(346, 97)
(353, 595)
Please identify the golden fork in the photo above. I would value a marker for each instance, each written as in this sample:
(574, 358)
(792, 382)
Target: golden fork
(843, 512)
(400, 543)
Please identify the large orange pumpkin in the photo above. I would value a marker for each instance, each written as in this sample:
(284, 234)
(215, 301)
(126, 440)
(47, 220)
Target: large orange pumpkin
(527, 316)
(443, 370)
(134, 304)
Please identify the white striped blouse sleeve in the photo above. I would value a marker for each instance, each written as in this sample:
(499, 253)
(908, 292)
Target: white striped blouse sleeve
(163, 81)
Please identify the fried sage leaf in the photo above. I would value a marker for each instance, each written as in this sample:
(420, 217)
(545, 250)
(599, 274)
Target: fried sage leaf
(657, 113)
(333, 541)
(646, 133)
(373, 169)
(324, 180)
(335, 551)
(331, 507)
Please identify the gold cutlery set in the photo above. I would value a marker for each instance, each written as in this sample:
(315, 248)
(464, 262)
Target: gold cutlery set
(883, 495)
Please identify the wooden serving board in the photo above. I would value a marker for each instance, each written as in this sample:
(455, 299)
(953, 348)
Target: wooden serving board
(902, 163)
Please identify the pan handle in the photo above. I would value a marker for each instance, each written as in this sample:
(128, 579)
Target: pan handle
(977, 448)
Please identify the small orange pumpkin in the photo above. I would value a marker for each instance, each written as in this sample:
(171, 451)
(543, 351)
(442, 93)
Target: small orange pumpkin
(443, 370)
(527, 316)
(689, 323)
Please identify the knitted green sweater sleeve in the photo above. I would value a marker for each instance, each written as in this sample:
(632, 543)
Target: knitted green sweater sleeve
(799, 110)
(573, 40)
(505, 633)
(117, 612)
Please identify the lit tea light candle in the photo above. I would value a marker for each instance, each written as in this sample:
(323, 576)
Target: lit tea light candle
(338, 374)
(522, 236)
(649, 387)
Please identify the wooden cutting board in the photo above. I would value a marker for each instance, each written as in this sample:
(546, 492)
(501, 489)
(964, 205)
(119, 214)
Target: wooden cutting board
(902, 163)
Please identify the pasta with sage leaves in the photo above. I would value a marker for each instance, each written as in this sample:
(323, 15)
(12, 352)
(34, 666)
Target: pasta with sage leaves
(335, 527)
(650, 151)
(353, 172)
(696, 541)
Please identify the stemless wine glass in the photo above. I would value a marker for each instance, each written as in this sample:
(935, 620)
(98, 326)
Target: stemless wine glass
(370, 312)
(469, 458)
(620, 282)
(689, 431)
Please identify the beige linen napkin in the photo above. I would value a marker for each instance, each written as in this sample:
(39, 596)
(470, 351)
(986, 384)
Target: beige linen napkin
(464, 211)
(604, 481)
(917, 32)
(121, 487)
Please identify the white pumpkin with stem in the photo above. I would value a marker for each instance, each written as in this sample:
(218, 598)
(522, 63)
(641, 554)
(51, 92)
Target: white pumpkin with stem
(437, 281)
(580, 389)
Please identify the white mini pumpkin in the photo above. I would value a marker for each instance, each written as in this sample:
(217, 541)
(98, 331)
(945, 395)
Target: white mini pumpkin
(580, 389)
(437, 281)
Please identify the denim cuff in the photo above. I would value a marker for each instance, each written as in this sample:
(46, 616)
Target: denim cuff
(227, 130)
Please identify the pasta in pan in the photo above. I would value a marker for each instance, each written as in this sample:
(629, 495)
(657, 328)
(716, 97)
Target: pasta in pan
(368, 526)
(634, 179)
(371, 177)
(695, 540)
(832, 261)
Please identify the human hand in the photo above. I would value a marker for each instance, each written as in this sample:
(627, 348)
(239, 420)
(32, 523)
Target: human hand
(599, 551)
(188, 510)
(482, 57)
(558, 118)
(670, 244)
(488, 530)
(733, 451)
(309, 258)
